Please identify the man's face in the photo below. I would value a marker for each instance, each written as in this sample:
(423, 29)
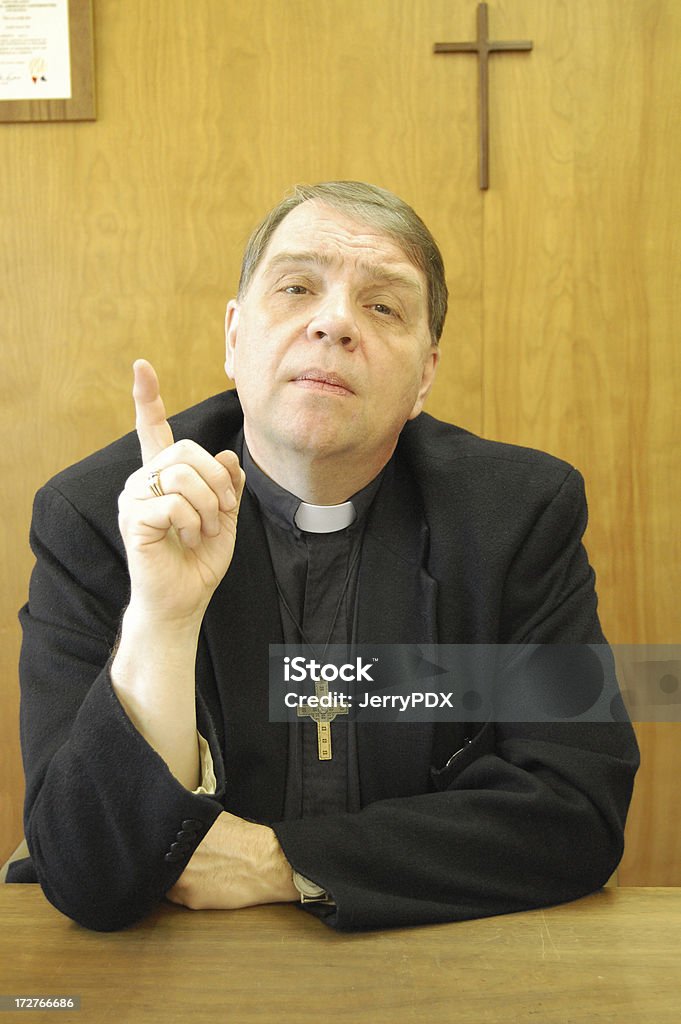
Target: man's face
(330, 347)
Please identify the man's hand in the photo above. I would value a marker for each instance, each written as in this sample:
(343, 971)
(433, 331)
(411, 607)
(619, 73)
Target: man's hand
(179, 545)
(238, 864)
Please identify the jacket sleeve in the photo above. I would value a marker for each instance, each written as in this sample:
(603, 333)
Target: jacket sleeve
(108, 826)
(526, 815)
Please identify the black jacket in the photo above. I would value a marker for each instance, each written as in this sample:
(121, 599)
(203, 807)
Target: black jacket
(477, 542)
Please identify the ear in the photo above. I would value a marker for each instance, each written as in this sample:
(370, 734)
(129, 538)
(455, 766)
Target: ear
(231, 325)
(427, 379)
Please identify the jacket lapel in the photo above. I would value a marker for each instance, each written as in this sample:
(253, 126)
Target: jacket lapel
(241, 622)
(397, 604)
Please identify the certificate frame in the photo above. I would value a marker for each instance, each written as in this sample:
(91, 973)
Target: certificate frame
(81, 105)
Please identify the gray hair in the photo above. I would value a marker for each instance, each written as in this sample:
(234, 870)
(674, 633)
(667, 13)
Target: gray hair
(376, 206)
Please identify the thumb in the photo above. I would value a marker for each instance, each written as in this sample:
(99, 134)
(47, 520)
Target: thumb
(153, 429)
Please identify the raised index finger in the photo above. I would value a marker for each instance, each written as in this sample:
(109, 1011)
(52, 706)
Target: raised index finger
(153, 429)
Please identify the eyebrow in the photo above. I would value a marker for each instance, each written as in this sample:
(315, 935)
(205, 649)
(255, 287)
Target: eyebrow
(377, 273)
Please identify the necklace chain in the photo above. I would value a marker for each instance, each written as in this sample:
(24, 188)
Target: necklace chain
(344, 588)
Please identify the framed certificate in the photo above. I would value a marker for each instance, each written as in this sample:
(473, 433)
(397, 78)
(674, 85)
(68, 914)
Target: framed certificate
(46, 60)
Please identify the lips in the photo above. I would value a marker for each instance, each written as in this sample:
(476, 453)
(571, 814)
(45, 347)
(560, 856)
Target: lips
(323, 380)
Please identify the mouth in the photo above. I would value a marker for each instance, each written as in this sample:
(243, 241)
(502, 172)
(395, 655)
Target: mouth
(323, 380)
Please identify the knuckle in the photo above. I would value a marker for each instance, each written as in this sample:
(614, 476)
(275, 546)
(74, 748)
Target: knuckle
(212, 502)
(179, 507)
(185, 446)
(223, 476)
(181, 475)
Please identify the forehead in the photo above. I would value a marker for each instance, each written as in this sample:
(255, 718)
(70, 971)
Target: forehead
(337, 237)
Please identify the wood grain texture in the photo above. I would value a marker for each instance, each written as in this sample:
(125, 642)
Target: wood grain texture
(582, 294)
(653, 843)
(611, 958)
(122, 238)
(583, 279)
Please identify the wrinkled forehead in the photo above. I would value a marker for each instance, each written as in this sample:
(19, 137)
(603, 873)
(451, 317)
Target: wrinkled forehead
(335, 236)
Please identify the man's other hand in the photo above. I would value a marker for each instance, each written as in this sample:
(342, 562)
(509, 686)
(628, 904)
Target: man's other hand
(238, 864)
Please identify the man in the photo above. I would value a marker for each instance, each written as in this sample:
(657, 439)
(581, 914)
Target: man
(154, 770)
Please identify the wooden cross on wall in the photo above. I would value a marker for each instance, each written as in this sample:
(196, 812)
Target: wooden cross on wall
(483, 46)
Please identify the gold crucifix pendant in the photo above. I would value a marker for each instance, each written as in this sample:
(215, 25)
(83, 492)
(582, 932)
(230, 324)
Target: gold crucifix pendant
(323, 715)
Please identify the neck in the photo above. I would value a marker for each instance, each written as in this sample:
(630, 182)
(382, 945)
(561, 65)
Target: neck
(314, 478)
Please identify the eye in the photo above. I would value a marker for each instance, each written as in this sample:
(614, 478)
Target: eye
(295, 289)
(384, 310)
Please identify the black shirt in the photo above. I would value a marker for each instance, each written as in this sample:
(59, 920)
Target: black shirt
(316, 576)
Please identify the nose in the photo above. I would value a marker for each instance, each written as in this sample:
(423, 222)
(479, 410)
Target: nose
(333, 322)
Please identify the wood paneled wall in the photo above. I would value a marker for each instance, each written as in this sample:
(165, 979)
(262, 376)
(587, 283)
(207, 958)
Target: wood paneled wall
(122, 238)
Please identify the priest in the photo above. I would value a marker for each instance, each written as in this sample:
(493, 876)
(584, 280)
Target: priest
(314, 505)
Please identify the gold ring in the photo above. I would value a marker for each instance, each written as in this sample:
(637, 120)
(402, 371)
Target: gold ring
(154, 483)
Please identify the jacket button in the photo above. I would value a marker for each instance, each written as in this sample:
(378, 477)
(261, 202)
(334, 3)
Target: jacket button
(192, 825)
(174, 857)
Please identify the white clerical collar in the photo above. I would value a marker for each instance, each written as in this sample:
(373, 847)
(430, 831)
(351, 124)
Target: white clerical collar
(324, 518)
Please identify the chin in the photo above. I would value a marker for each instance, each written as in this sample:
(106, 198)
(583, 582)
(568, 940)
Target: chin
(317, 440)
(318, 444)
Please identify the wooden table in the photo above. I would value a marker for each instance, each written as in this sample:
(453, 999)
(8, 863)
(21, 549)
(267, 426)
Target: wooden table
(611, 957)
